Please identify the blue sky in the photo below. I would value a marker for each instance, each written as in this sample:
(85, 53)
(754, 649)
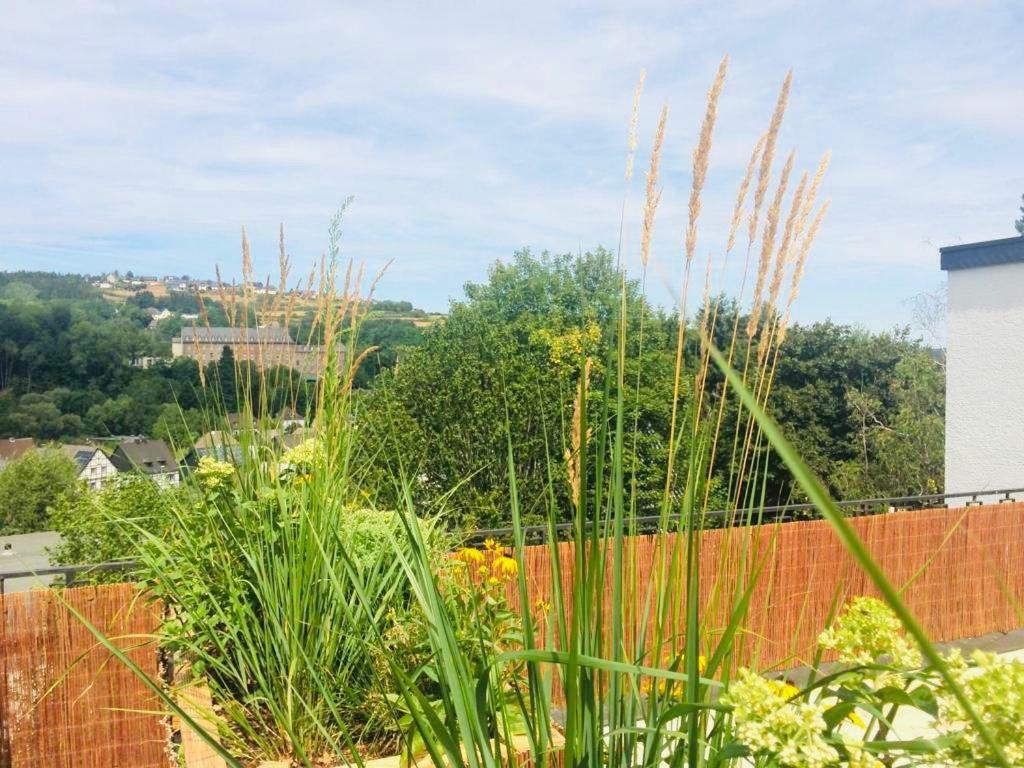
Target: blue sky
(145, 135)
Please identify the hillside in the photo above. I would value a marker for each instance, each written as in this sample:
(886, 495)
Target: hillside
(72, 349)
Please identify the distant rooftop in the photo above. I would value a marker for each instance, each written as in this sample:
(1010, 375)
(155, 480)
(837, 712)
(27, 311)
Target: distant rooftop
(988, 253)
(14, 447)
(80, 454)
(152, 457)
(264, 334)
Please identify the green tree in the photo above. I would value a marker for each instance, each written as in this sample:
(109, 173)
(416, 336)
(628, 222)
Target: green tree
(900, 450)
(1019, 223)
(178, 427)
(109, 524)
(513, 350)
(30, 486)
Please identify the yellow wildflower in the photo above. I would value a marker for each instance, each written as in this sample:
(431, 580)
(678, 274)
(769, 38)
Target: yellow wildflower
(470, 555)
(505, 566)
(491, 545)
(785, 689)
(212, 473)
(857, 720)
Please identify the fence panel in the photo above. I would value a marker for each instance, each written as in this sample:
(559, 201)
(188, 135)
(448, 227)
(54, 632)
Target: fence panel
(961, 572)
(64, 701)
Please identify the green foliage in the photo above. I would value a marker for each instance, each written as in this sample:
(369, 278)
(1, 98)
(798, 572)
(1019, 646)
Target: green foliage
(178, 427)
(513, 349)
(109, 524)
(900, 446)
(1018, 224)
(391, 337)
(31, 486)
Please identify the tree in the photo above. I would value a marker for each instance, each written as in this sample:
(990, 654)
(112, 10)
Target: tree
(1019, 223)
(108, 524)
(178, 427)
(507, 359)
(900, 453)
(30, 486)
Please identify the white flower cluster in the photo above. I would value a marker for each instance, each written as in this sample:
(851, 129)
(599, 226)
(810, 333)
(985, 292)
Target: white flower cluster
(995, 688)
(767, 722)
(866, 632)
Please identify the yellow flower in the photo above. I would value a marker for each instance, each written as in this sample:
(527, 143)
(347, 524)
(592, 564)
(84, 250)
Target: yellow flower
(505, 566)
(856, 719)
(492, 582)
(542, 606)
(491, 545)
(785, 690)
(482, 571)
(470, 555)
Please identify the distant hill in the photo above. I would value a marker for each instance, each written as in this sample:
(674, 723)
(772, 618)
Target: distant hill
(85, 355)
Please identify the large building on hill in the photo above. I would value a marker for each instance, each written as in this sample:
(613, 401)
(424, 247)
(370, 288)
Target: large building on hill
(266, 345)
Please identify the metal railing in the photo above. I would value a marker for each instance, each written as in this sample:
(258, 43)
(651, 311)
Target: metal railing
(71, 573)
(647, 524)
(782, 513)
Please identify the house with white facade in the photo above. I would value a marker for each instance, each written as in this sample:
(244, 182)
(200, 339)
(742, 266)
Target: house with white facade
(985, 366)
(152, 458)
(94, 468)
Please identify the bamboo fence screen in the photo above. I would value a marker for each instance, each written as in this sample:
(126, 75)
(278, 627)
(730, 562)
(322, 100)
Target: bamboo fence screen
(65, 703)
(961, 570)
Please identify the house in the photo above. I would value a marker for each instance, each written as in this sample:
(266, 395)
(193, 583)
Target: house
(157, 316)
(13, 448)
(984, 358)
(291, 419)
(94, 468)
(216, 444)
(152, 458)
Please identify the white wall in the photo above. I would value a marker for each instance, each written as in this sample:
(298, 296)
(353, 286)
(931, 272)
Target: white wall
(985, 379)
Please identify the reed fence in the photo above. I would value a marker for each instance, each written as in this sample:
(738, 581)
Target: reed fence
(961, 572)
(64, 703)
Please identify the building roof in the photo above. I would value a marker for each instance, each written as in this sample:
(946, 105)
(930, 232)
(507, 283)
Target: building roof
(215, 438)
(81, 454)
(152, 457)
(275, 334)
(988, 253)
(14, 447)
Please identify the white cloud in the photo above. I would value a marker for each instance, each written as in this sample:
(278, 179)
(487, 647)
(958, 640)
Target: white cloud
(144, 133)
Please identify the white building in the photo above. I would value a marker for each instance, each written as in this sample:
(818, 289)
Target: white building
(94, 468)
(985, 366)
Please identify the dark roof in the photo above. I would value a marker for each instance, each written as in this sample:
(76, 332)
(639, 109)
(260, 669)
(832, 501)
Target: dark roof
(152, 457)
(13, 447)
(264, 334)
(985, 254)
(80, 454)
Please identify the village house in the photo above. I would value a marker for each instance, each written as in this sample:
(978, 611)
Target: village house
(152, 458)
(94, 468)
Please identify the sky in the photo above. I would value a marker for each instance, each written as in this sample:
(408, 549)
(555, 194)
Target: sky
(144, 136)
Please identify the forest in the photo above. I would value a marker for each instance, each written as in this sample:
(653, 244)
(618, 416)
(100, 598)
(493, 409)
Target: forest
(864, 408)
